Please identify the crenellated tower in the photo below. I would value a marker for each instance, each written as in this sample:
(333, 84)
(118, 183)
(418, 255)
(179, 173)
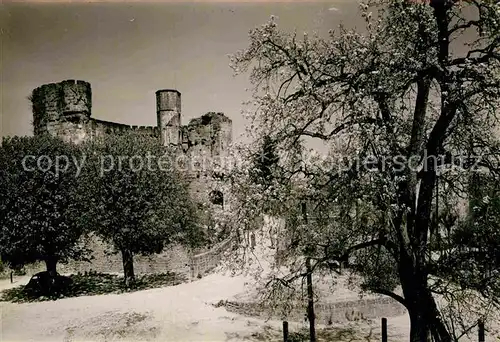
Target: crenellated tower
(168, 112)
(62, 109)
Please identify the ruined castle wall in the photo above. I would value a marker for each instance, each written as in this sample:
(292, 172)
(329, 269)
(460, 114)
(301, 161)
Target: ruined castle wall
(77, 97)
(46, 106)
(224, 138)
(81, 131)
(205, 142)
(100, 128)
(199, 189)
(220, 134)
(149, 130)
(75, 132)
(208, 136)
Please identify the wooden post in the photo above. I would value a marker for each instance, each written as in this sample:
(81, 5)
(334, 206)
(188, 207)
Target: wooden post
(285, 331)
(480, 331)
(191, 265)
(11, 277)
(384, 329)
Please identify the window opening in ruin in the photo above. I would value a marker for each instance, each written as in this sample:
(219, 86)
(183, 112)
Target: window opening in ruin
(216, 197)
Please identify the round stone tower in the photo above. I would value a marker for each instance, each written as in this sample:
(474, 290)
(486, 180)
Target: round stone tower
(67, 103)
(168, 111)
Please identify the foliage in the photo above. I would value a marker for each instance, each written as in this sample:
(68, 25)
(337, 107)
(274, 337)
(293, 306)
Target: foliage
(408, 109)
(264, 160)
(91, 284)
(40, 205)
(141, 203)
(216, 226)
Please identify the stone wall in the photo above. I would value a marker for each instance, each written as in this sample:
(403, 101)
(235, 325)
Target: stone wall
(174, 258)
(100, 127)
(201, 264)
(76, 97)
(62, 109)
(74, 131)
(326, 313)
(208, 135)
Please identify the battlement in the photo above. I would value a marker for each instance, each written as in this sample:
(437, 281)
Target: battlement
(102, 127)
(69, 83)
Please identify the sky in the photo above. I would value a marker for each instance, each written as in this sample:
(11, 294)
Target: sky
(127, 51)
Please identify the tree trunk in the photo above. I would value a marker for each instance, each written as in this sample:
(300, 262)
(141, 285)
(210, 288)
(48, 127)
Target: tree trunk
(50, 264)
(419, 327)
(425, 319)
(310, 302)
(438, 328)
(425, 322)
(310, 295)
(128, 267)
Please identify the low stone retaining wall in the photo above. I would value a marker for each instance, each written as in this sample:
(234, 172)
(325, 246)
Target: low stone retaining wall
(326, 313)
(173, 259)
(201, 264)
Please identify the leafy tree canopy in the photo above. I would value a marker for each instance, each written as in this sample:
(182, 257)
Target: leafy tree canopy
(139, 201)
(40, 206)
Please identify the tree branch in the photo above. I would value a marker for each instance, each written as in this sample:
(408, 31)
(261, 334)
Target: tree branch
(391, 294)
(339, 128)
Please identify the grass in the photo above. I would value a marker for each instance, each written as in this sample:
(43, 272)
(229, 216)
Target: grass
(337, 334)
(91, 284)
(5, 273)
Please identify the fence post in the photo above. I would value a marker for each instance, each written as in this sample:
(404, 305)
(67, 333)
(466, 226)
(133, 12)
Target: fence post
(384, 329)
(191, 258)
(480, 331)
(11, 277)
(285, 331)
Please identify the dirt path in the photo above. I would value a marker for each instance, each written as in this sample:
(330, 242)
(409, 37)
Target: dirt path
(177, 313)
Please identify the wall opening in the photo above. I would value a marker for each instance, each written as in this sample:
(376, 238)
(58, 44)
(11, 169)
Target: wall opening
(217, 198)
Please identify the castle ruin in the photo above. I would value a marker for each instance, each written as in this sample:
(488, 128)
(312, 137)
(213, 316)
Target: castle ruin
(64, 109)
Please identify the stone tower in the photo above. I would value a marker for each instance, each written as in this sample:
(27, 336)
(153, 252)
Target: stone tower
(62, 109)
(168, 111)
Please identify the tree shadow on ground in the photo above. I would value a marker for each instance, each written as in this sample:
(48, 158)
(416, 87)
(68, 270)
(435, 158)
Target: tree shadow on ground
(91, 284)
